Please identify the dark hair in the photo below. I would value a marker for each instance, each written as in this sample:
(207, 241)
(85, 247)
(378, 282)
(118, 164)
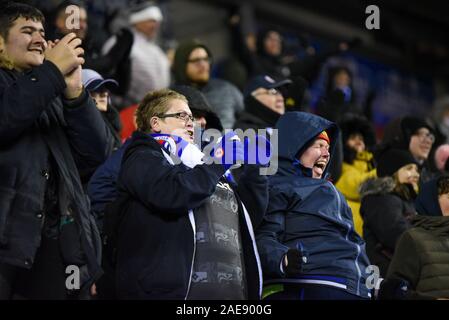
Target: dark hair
(443, 185)
(12, 11)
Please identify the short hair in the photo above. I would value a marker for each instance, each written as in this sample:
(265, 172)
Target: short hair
(13, 11)
(153, 104)
(443, 185)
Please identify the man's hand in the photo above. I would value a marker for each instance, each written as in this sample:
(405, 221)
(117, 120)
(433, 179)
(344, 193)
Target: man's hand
(66, 53)
(74, 84)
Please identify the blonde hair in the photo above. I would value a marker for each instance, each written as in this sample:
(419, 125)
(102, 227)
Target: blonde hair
(5, 62)
(153, 104)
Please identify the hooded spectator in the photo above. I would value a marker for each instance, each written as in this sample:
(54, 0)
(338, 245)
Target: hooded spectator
(339, 98)
(421, 256)
(192, 66)
(358, 166)
(387, 204)
(264, 103)
(307, 243)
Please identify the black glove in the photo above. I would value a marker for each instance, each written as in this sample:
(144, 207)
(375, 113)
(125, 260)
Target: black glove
(393, 289)
(295, 262)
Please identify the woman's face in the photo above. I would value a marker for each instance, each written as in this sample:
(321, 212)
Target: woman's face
(409, 174)
(356, 142)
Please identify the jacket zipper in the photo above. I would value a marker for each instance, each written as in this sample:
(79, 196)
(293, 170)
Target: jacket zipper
(359, 273)
(192, 222)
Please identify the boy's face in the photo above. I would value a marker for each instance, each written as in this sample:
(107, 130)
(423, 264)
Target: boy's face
(25, 44)
(101, 99)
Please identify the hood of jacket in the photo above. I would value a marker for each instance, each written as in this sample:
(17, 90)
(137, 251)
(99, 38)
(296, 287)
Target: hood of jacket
(426, 203)
(180, 61)
(439, 226)
(296, 131)
(377, 186)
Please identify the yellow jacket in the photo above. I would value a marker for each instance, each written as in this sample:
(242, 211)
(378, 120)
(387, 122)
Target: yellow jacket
(353, 175)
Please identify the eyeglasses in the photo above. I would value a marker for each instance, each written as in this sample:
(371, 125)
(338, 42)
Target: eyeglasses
(271, 92)
(198, 60)
(179, 115)
(426, 135)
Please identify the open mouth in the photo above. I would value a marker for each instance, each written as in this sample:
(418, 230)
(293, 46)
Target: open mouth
(37, 50)
(320, 164)
(190, 133)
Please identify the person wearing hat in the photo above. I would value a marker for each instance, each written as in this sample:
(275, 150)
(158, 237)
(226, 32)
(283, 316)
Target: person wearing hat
(415, 135)
(150, 67)
(264, 103)
(358, 165)
(387, 204)
(192, 67)
(99, 90)
(307, 243)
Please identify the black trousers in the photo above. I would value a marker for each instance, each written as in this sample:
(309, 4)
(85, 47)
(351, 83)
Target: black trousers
(44, 281)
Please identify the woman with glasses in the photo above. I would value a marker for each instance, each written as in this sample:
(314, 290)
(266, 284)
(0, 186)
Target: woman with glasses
(417, 137)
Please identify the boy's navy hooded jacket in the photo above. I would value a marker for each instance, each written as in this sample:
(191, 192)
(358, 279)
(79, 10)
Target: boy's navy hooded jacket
(156, 239)
(310, 215)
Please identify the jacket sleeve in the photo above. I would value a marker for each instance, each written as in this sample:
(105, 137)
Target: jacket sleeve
(88, 134)
(23, 101)
(253, 190)
(405, 263)
(384, 217)
(173, 189)
(350, 181)
(270, 233)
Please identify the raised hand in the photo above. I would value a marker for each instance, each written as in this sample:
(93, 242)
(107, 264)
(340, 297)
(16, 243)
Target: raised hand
(66, 53)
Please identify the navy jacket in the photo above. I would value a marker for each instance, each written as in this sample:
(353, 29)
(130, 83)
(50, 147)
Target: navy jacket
(102, 187)
(36, 125)
(426, 202)
(309, 214)
(156, 241)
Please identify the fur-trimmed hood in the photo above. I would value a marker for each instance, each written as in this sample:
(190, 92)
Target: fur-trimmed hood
(377, 186)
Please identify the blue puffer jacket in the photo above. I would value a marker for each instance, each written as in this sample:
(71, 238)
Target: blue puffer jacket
(311, 215)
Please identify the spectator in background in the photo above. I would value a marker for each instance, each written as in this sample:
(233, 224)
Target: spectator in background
(192, 67)
(427, 202)
(421, 256)
(387, 204)
(339, 97)
(264, 103)
(197, 238)
(115, 63)
(358, 166)
(440, 120)
(415, 136)
(441, 157)
(99, 90)
(307, 243)
(51, 132)
(150, 67)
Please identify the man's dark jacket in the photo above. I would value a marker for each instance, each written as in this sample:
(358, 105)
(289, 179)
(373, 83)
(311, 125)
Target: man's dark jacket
(156, 239)
(42, 135)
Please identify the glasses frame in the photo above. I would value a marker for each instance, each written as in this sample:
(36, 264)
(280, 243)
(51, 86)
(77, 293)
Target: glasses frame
(178, 115)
